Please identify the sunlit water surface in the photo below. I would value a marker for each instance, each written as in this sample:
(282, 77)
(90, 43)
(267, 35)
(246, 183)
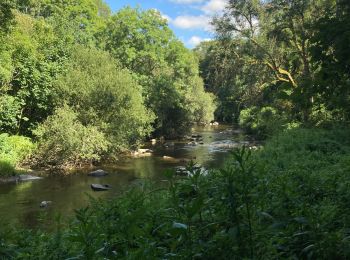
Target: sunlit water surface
(19, 203)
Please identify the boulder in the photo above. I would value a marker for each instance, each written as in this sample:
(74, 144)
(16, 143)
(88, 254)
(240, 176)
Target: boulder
(100, 187)
(45, 203)
(98, 173)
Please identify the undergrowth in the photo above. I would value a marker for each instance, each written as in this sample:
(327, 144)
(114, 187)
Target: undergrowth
(288, 200)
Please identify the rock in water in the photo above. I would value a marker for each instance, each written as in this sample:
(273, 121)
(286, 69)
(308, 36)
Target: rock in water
(98, 173)
(26, 177)
(45, 203)
(100, 187)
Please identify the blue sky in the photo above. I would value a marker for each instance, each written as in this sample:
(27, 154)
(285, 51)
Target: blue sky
(189, 19)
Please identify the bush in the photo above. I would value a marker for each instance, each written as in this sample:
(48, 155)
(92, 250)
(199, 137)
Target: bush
(10, 110)
(13, 151)
(107, 96)
(262, 122)
(64, 141)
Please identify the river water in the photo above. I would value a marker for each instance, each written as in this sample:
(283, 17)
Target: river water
(19, 203)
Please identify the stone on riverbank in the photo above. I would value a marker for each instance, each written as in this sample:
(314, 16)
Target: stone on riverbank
(27, 177)
(98, 173)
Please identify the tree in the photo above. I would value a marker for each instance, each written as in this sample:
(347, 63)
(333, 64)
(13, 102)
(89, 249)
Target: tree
(105, 96)
(277, 35)
(166, 70)
(331, 55)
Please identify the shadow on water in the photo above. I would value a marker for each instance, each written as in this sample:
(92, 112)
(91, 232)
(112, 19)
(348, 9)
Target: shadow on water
(19, 203)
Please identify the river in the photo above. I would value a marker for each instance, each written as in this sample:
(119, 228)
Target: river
(19, 203)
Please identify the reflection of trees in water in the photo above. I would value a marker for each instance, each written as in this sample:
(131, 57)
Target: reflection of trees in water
(20, 203)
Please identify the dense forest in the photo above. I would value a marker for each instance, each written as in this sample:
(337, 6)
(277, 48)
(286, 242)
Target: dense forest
(279, 62)
(80, 84)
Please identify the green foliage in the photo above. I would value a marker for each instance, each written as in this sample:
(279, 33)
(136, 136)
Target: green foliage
(13, 151)
(6, 15)
(10, 112)
(228, 73)
(52, 54)
(64, 141)
(279, 53)
(166, 70)
(287, 200)
(106, 96)
(331, 55)
(262, 122)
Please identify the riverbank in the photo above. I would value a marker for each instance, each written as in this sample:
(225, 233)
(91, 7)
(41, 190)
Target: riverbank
(20, 155)
(286, 200)
(68, 191)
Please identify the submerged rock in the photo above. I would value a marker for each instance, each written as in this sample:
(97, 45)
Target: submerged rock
(98, 173)
(100, 187)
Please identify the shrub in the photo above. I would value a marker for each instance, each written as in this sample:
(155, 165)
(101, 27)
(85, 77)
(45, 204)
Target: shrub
(13, 151)
(107, 96)
(10, 109)
(63, 140)
(262, 122)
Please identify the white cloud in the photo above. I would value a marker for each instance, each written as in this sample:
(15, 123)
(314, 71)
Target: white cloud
(187, 1)
(214, 6)
(192, 22)
(166, 17)
(195, 40)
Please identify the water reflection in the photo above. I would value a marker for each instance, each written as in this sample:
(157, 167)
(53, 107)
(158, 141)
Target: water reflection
(19, 203)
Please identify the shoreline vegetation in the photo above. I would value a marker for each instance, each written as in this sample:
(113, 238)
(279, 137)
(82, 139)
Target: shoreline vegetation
(287, 199)
(79, 83)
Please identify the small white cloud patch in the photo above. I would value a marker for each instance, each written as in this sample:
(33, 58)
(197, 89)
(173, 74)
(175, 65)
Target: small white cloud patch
(195, 40)
(214, 6)
(192, 22)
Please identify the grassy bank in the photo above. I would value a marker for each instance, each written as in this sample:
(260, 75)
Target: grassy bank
(286, 200)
